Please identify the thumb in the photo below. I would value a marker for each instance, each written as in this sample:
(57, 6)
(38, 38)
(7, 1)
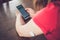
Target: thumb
(19, 19)
(17, 13)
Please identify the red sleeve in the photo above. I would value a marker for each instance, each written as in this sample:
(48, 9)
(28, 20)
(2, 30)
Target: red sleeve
(46, 19)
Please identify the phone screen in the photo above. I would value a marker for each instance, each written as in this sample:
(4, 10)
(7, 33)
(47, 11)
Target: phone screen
(24, 13)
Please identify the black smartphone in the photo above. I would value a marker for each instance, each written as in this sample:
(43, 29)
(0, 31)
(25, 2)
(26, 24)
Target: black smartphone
(24, 13)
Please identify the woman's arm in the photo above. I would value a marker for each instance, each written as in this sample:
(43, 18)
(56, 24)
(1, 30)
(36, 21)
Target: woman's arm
(25, 29)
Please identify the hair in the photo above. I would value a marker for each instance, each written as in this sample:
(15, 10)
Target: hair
(54, 0)
(55, 3)
(38, 4)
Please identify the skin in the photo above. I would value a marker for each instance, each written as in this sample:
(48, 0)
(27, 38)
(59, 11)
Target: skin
(24, 29)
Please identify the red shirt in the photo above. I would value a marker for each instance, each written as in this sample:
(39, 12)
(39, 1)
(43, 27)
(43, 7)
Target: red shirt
(48, 19)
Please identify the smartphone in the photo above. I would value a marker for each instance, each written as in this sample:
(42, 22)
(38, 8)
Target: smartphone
(24, 13)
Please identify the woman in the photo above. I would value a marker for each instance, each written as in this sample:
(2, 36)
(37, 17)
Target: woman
(46, 21)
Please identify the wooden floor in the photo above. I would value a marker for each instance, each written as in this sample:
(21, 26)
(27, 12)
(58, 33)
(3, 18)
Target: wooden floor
(7, 19)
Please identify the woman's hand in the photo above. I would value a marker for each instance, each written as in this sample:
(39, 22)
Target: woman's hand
(26, 30)
(30, 11)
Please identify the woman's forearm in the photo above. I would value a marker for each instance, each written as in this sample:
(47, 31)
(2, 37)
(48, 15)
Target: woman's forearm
(21, 29)
(26, 30)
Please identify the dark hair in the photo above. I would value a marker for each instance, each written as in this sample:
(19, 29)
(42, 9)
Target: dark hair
(39, 3)
(45, 2)
(55, 3)
(54, 0)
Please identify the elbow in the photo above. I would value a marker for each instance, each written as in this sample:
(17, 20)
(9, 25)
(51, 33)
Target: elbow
(22, 32)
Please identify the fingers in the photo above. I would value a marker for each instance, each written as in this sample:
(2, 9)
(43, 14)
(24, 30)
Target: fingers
(30, 11)
(19, 19)
(17, 13)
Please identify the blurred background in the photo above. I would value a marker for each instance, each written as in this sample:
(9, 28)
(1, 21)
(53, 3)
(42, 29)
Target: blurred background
(7, 17)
